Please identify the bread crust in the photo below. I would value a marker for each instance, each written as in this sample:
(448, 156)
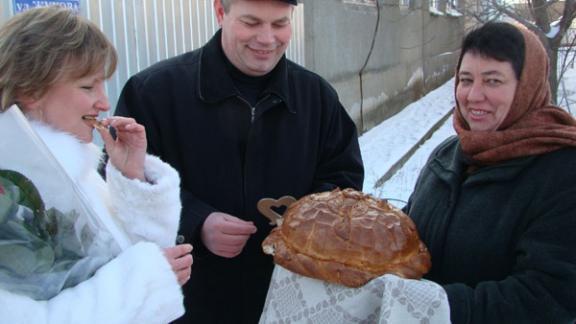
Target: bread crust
(347, 237)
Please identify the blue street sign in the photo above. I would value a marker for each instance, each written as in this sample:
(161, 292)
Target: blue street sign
(23, 5)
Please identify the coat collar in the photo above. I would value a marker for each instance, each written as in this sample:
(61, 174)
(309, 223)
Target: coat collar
(215, 84)
(77, 158)
(449, 163)
(29, 147)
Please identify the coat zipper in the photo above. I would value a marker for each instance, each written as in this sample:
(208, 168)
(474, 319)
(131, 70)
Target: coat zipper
(253, 108)
(245, 168)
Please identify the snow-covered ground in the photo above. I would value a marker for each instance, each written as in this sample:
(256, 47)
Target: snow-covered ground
(385, 144)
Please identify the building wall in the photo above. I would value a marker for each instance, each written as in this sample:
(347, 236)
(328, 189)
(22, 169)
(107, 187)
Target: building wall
(415, 51)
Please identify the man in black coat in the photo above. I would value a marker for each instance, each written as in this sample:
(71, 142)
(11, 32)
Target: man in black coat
(240, 122)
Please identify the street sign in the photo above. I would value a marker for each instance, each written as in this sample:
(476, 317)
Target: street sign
(23, 5)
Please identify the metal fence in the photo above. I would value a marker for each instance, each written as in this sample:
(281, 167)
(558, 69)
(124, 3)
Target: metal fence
(147, 31)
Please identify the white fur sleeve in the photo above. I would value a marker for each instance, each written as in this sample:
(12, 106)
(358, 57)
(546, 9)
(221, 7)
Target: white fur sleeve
(148, 211)
(138, 286)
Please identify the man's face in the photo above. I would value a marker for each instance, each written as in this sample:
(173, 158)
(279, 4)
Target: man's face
(255, 33)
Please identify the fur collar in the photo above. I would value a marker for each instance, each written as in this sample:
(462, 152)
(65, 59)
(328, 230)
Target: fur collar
(76, 157)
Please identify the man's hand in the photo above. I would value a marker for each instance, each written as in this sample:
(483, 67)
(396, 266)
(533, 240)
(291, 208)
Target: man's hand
(180, 260)
(226, 235)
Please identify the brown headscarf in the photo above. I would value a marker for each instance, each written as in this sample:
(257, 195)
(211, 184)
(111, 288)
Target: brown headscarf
(533, 125)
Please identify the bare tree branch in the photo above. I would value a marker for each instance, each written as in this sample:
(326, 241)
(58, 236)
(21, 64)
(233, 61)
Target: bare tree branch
(510, 12)
(568, 15)
(540, 15)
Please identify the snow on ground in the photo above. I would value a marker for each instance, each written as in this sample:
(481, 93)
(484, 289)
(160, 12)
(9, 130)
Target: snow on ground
(399, 187)
(385, 144)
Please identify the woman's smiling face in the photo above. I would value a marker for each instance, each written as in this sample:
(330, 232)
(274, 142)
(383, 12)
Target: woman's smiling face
(485, 91)
(64, 104)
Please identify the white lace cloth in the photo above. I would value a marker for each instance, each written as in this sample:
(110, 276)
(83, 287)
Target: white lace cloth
(293, 298)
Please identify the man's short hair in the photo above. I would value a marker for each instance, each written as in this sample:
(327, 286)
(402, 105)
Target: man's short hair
(226, 3)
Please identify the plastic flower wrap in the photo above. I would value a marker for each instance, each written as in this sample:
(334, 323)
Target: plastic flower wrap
(41, 251)
(45, 246)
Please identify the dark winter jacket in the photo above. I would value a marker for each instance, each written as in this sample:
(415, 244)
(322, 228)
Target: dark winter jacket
(297, 140)
(503, 238)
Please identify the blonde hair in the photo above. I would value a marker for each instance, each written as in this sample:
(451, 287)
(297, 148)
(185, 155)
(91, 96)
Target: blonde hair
(42, 46)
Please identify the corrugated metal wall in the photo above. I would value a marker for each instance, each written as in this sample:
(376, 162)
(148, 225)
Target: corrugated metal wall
(146, 31)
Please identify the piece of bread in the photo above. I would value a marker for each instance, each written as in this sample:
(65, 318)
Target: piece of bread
(94, 122)
(347, 237)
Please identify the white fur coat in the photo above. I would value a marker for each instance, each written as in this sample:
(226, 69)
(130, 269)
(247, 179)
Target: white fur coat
(138, 286)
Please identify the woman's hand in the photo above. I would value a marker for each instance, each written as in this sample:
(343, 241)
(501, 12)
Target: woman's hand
(180, 260)
(128, 150)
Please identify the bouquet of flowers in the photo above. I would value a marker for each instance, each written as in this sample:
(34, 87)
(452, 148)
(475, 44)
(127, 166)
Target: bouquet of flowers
(43, 249)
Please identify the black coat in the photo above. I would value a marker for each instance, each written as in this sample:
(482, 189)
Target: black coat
(503, 238)
(297, 140)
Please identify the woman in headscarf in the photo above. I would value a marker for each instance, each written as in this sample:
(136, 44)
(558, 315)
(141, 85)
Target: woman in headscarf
(53, 65)
(496, 204)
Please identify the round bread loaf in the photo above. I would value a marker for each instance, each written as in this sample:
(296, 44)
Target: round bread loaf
(347, 237)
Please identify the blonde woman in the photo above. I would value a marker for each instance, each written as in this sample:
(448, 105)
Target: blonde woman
(53, 65)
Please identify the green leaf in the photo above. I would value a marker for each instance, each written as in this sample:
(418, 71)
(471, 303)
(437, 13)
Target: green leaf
(23, 192)
(30, 196)
(7, 208)
(25, 260)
